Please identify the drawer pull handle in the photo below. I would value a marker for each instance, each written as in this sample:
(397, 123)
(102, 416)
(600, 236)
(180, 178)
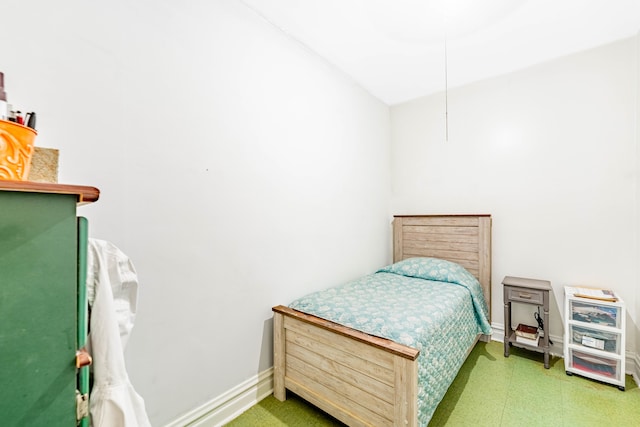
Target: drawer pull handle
(525, 296)
(83, 358)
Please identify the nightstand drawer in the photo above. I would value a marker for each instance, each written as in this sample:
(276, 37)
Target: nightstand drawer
(531, 296)
(605, 341)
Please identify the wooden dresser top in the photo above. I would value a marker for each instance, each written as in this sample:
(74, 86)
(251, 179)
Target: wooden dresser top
(85, 194)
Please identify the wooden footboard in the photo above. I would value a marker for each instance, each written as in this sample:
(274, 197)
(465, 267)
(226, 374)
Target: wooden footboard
(357, 378)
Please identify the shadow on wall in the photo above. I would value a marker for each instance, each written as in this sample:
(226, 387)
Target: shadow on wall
(634, 348)
(266, 349)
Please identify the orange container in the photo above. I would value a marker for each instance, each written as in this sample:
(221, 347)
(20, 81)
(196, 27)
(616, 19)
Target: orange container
(16, 150)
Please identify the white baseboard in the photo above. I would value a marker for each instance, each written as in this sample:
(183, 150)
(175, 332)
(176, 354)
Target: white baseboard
(229, 405)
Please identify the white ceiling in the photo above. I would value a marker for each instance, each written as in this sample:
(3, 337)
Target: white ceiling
(395, 49)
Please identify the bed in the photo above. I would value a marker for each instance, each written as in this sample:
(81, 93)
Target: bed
(363, 372)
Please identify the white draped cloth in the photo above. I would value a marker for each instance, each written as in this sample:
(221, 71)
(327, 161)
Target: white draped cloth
(112, 290)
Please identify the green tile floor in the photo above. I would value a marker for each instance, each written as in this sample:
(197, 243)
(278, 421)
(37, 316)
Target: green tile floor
(491, 390)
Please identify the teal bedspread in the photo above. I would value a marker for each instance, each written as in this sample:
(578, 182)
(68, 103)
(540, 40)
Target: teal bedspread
(433, 305)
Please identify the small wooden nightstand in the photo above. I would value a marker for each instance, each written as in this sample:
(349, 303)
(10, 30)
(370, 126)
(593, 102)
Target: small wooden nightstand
(526, 291)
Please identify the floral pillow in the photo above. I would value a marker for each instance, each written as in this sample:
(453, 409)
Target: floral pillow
(430, 269)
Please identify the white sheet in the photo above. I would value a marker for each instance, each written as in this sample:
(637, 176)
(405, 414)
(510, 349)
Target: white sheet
(112, 289)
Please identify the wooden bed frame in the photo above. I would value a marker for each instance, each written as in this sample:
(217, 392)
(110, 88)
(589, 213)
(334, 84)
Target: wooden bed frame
(358, 378)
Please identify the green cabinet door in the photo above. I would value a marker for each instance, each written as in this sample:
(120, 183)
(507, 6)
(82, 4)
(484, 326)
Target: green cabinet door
(38, 313)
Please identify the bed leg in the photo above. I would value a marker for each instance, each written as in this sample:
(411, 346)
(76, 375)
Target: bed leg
(279, 391)
(406, 390)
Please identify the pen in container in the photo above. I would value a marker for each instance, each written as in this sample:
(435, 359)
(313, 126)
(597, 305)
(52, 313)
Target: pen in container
(11, 114)
(4, 111)
(30, 120)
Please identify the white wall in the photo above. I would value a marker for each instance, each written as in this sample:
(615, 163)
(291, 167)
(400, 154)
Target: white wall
(237, 170)
(550, 152)
(637, 212)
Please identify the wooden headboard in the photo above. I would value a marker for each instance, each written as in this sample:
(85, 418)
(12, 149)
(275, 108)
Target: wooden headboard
(465, 239)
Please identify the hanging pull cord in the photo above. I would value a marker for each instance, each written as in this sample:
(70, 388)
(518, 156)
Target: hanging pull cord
(446, 92)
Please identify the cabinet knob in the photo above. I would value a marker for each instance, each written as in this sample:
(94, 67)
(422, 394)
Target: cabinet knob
(83, 358)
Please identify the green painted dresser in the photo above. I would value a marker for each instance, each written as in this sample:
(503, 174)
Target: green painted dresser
(43, 311)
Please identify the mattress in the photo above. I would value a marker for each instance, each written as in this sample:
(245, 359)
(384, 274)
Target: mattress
(432, 305)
